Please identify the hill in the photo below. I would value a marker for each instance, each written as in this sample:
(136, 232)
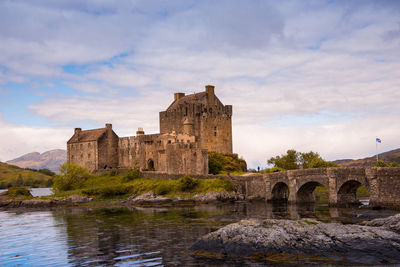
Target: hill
(48, 160)
(15, 176)
(389, 156)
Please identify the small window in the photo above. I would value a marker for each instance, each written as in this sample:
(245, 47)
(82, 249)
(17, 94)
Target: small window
(88, 156)
(169, 141)
(215, 133)
(72, 157)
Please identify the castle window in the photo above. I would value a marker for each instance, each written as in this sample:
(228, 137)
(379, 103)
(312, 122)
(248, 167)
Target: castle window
(215, 130)
(72, 157)
(169, 141)
(88, 156)
(186, 111)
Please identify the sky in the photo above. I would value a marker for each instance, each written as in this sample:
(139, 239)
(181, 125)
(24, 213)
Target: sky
(305, 75)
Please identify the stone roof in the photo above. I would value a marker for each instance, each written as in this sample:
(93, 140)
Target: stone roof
(86, 136)
(193, 98)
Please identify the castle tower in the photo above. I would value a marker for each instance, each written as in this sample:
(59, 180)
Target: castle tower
(204, 116)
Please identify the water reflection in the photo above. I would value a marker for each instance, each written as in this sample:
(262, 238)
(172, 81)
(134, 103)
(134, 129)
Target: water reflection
(139, 236)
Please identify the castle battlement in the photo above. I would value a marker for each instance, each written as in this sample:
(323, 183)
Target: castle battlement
(190, 127)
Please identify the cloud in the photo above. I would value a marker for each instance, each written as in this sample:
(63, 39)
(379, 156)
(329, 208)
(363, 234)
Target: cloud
(16, 140)
(305, 74)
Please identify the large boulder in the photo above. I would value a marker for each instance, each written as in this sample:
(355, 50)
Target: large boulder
(302, 241)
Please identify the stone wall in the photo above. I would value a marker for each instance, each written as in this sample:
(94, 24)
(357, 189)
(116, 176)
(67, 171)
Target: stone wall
(83, 154)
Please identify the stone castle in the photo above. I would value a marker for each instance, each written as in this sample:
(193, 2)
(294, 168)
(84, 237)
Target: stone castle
(191, 126)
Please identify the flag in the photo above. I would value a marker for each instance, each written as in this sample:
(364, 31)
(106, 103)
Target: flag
(378, 140)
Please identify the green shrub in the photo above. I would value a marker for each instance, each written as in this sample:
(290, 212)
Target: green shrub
(71, 177)
(380, 163)
(130, 175)
(187, 183)
(113, 173)
(228, 162)
(394, 164)
(18, 192)
(106, 191)
(163, 189)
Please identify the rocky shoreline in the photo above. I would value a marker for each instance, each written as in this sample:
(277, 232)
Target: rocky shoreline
(147, 199)
(305, 241)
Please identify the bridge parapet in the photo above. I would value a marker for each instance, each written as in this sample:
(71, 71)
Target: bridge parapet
(341, 182)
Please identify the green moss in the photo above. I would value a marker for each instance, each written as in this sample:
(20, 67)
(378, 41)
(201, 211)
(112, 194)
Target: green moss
(18, 192)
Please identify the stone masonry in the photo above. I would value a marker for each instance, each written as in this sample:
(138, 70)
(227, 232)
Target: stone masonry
(191, 126)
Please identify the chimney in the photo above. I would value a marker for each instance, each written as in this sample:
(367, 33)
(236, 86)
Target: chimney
(78, 130)
(178, 96)
(108, 126)
(210, 95)
(139, 132)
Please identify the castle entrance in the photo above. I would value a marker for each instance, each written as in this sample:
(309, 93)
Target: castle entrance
(150, 165)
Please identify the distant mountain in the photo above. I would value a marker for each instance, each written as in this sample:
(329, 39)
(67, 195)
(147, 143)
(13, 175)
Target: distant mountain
(390, 156)
(11, 175)
(48, 160)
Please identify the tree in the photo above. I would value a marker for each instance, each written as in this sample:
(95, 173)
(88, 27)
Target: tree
(215, 163)
(307, 158)
(287, 162)
(293, 160)
(71, 177)
(228, 162)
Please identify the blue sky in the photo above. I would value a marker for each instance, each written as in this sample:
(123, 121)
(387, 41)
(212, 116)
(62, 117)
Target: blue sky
(308, 75)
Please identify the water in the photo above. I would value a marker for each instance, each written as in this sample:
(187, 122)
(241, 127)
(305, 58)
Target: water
(136, 236)
(36, 192)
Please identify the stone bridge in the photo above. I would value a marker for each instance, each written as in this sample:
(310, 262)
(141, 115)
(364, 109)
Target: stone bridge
(297, 186)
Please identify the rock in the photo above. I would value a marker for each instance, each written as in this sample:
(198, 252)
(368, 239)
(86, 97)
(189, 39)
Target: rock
(218, 196)
(148, 199)
(392, 223)
(302, 241)
(76, 199)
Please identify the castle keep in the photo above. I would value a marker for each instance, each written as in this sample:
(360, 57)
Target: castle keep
(191, 126)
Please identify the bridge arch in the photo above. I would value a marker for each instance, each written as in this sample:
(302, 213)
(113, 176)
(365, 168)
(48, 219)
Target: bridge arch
(347, 192)
(280, 192)
(305, 189)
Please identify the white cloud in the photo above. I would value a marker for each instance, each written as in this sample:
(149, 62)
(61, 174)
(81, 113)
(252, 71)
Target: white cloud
(281, 65)
(16, 140)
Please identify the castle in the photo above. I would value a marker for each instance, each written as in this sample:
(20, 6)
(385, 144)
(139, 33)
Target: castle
(191, 126)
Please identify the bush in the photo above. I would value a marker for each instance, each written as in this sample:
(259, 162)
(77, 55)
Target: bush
(71, 177)
(187, 183)
(380, 163)
(229, 162)
(18, 192)
(113, 173)
(163, 189)
(106, 191)
(130, 175)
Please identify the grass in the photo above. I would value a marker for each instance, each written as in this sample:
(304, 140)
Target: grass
(321, 193)
(11, 175)
(118, 187)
